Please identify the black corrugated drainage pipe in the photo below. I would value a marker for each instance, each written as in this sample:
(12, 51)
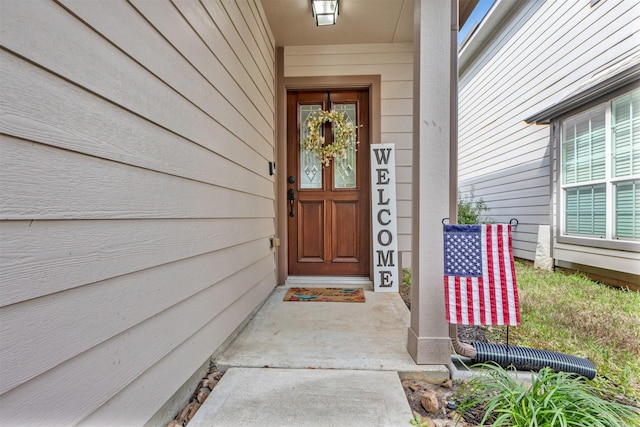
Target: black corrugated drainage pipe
(530, 359)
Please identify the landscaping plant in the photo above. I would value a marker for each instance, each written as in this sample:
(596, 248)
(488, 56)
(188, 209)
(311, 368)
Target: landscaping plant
(418, 421)
(470, 210)
(552, 399)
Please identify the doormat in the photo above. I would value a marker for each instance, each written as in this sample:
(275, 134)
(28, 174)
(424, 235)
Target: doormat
(325, 294)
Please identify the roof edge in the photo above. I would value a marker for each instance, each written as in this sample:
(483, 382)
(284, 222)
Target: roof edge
(484, 31)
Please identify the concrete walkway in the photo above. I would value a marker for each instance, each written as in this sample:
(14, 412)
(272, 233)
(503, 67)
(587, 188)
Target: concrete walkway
(317, 364)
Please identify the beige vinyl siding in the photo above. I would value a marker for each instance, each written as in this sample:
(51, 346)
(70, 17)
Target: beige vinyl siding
(136, 201)
(542, 53)
(394, 64)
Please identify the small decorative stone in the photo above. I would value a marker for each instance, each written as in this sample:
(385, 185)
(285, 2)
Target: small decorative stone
(447, 384)
(193, 410)
(428, 422)
(455, 416)
(182, 417)
(203, 393)
(429, 401)
(452, 405)
(215, 376)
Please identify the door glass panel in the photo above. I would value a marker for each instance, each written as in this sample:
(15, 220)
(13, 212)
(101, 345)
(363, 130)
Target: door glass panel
(310, 167)
(344, 169)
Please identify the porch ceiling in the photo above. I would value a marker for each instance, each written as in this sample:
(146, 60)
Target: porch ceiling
(360, 21)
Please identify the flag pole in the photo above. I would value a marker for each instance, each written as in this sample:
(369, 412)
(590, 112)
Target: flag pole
(508, 361)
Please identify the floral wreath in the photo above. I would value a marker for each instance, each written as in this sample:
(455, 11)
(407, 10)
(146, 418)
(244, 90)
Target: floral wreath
(344, 133)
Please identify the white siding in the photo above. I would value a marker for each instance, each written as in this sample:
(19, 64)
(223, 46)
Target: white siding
(394, 64)
(136, 204)
(538, 56)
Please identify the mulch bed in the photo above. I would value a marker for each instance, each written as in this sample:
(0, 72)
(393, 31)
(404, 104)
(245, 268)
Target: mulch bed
(206, 386)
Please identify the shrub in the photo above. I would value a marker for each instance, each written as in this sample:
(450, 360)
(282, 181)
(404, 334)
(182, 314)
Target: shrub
(552, 399)
(470, 210)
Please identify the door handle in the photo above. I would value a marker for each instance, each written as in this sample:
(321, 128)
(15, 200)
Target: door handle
(291, 196)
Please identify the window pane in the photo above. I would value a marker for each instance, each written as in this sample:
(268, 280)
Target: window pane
(628, 210)
(569, 153)
(585, 210)
(310, 167)
(598, 144)
(583, 147)
(625, 133)
(344, 169)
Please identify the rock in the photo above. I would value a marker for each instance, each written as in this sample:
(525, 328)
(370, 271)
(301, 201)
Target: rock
(428, 422)
(182, 417)
(414, 387)
(456, 416)
(174, 423)
(447, 384)
(215, 376)
(193, 410)
(429, 401)
(203, 393)
(208, 383)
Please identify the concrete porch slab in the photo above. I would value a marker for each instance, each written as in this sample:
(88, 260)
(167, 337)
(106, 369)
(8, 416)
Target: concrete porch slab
(322, 335)
(305, 397)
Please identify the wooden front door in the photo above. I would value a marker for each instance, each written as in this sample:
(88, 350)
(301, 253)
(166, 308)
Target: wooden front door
(328, 207)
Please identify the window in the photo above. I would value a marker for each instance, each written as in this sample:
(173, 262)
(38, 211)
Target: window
(600, 171)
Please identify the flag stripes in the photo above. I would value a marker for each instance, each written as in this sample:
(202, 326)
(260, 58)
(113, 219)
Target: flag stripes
(487, 299)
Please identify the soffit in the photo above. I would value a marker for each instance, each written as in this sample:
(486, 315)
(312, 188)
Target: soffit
(360, 21)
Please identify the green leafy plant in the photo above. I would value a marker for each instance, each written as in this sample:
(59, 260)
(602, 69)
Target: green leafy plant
(406, 276)
(470, 210)
(418, 421)
(552, 399)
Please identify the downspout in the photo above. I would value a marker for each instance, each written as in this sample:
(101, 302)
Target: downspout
(460, 348)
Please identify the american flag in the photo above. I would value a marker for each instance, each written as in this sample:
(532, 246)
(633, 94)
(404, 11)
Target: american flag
(479, 275)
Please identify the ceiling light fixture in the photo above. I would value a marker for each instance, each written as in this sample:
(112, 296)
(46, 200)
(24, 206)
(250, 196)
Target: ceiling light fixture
(325, 12)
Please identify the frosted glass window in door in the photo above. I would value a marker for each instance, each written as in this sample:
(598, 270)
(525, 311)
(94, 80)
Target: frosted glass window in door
(344, 169)
(310, 167)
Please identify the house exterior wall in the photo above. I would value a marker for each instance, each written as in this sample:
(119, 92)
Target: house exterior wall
(137, 204)
(394, 64)
(540, 53)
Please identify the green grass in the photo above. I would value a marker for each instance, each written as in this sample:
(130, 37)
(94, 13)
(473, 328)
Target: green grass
(552, 399)
(574, 315)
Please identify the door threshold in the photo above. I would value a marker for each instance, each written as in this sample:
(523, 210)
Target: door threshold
(329, 281)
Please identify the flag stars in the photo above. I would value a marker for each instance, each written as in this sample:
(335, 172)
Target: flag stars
(462, 254)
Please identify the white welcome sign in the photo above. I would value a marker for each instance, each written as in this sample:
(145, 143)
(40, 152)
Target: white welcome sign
(384, 218)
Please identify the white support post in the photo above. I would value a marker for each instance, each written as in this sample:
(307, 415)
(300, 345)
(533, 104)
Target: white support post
(433, 105)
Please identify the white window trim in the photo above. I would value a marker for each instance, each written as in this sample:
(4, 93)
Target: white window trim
(607, 242)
